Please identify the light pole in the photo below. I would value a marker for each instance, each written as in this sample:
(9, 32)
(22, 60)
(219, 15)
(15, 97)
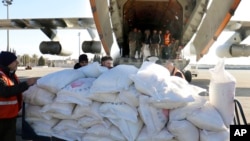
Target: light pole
(79, 34)
(7, 3)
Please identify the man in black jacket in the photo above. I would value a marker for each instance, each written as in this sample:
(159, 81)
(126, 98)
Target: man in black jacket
(10, 95)
(155, 40)
(82, 61)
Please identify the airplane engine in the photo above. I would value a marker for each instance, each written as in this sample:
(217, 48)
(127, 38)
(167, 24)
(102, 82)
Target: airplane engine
(232, 46)
(94, 47)
(233, 50)
(53, 48)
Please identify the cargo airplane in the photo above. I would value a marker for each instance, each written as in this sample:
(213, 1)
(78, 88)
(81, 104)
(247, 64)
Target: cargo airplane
(113, 19)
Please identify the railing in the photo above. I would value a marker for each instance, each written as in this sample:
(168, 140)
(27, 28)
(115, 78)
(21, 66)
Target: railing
(239, 114)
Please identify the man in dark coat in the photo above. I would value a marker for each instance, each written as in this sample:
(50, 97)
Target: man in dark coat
(10, 95)
(82, 61)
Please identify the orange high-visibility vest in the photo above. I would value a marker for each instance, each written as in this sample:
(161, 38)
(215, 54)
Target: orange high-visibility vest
(167, 39)
(8, 106)
(175, 71)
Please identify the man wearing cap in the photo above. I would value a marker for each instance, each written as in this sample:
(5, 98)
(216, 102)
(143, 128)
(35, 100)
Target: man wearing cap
(82, 61)
(10, 95)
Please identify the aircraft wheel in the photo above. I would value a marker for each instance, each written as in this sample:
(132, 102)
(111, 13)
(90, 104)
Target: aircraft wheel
(188, 76)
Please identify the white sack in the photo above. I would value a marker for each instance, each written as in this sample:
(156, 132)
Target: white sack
(130, 96)
(58, 110)
(163, 135)
(222, 92)
(154, 118)
(68, 135)
(63, 98)
(55, 81)
(151, 79)
(129, 129)
(106, 87)
(42, 129)
(87, 121)
(119, 111)
(93, 70)
(177, 94)
(221, 96)
(33, 111)
(183, 130)
(40, 121)
(214, 136)
(37, 96)
(181, 113)
(114, 80)
(68, 130)
(104, 97)
(42, 126)
(207, 117)
(69, 125)
(49, 116)
(90, 137)
(92, 110)
(111, 132)
(220, 75)
(76, 92)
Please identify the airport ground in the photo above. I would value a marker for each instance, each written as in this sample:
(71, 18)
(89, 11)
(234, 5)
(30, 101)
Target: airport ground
(242, 76)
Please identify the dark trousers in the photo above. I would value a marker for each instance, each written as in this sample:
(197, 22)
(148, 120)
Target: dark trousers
(8, 129)
(165, 53)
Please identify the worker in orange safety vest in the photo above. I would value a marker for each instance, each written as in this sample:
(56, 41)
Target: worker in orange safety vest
(10, 95)
(167, 41)
(174, 71)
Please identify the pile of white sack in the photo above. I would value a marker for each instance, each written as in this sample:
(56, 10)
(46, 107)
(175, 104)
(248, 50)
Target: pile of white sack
(127, 104)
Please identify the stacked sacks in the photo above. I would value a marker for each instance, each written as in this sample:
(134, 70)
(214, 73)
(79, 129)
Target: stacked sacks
(207, 116)
(54, 82)
(107, 88)
(70, 92)
(123, 103)
(76, 92)
(197, 123)
(164, 91)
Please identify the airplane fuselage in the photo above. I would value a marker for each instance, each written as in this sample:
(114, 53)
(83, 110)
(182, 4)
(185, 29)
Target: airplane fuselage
(183, 18)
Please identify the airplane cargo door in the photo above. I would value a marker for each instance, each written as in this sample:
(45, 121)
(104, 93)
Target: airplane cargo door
(100, 10)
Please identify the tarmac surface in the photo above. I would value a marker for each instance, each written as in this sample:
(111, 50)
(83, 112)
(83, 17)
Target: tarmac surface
(242, 76)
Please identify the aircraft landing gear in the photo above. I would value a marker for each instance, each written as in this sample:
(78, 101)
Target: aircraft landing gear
(188, 76)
